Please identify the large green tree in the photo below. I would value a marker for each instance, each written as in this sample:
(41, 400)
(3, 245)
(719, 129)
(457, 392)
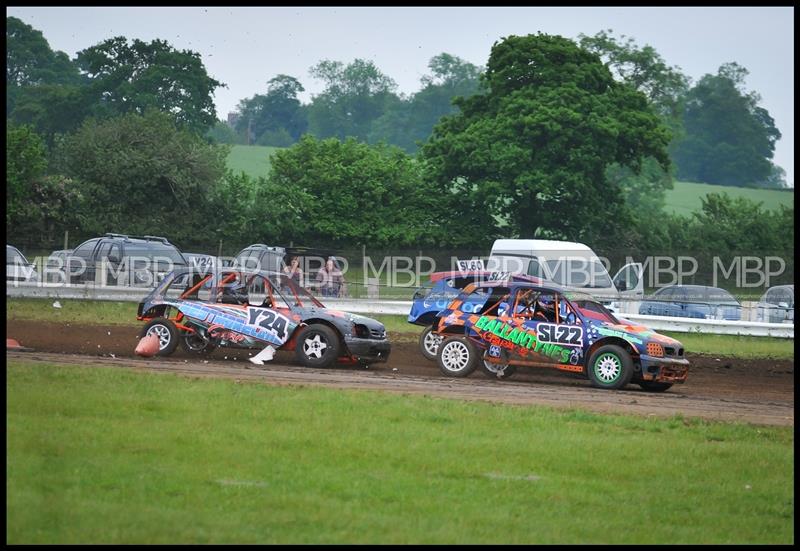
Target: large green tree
(266, 115)
(411, 120)
(133, 76)
(528, 157)
(729, 139)
(355, 95)
(142, 174)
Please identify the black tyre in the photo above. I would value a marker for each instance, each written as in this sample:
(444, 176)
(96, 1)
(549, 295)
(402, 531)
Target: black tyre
(429, 343)
(497, 370)
(195, 344)
(317, 346)
(166, 332)
(457, 357)
(610, 367)
(652, 386)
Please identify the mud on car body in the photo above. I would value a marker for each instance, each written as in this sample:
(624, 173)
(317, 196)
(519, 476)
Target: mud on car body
(443, 287)
(541, 325)
(253, 309)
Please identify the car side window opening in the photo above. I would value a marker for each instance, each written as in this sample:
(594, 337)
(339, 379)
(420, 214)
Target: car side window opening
(85, 251)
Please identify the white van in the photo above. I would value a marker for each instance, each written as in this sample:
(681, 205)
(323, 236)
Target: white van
(571, 265)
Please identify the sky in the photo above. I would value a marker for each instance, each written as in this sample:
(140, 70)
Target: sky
(244, 47)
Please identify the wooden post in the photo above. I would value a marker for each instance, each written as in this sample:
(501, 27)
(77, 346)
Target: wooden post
(219, 251)
(66, 239)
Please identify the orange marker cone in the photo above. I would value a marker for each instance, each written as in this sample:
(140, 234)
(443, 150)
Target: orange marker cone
(12, 344)
(148, 346)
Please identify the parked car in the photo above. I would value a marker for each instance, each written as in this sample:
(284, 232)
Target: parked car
(432, 298)
(17, 266)
(776, 305)
(128, 260)
(54, 266)
(260, 257)
(542, 325)
(204, 262)
(253, 309)
(692, 301)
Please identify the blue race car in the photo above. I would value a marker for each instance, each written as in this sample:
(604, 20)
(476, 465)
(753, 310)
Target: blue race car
(542, 325)
(434, 297)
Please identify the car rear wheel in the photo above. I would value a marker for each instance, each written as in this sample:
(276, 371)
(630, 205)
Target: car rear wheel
(652, 386)
(317, 346)
(457, 357)
(610, 367)
(429, 343)
(497, 370)
(195, 344)
(166, 332)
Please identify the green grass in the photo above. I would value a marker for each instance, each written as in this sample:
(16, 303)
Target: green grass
(252, 159)
(124, 313)
(112, 456)
(685, 197)
(738, 346)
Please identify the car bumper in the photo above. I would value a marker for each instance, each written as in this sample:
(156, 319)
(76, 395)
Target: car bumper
(368, 349)
(664, 370)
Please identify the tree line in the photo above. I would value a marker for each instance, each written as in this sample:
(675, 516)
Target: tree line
(553, 144)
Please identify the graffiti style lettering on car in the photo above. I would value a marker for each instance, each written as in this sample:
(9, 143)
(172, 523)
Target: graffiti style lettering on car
(518, 339)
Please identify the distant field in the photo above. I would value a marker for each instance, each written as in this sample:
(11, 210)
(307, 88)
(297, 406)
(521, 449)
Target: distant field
(252, 159)
(685, 198)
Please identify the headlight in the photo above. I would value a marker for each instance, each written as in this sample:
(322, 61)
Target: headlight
(655, 349)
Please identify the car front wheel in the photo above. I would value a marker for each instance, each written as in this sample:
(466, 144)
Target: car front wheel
(610, 367)
(429, 343)
(317, 346)
(166, 332)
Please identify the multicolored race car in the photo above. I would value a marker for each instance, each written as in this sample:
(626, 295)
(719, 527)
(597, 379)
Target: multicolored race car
(240, 308)
(434, 297)
(540, 325)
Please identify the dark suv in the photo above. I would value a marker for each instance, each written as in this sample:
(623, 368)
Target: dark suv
(260, 257)
(125, 259)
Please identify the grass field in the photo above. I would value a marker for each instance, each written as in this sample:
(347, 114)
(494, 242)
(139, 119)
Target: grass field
(124, 313)
(683, 199)
(252, 159)
(111, 456)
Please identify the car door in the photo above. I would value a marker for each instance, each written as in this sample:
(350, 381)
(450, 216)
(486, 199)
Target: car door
(80, 261)
(555, 341)
(629, 281)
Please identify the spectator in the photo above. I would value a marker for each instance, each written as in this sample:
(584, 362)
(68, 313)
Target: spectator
(293, 270)
(330, 280)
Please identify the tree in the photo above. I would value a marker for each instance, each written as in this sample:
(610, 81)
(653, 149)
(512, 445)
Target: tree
(529, 156)
(729, 139)
(277, 110)
(52, 109)
(355, 95)
(38, 206)
(348, 192)
(133, 77)
(141, 174)
(25, 164)
(31, 62)
(644, 69)
(411, 120)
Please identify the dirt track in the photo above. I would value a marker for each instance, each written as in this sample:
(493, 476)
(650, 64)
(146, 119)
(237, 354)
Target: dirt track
(755, 391)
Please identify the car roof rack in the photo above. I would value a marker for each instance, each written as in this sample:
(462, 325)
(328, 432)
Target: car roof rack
(145, 237)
